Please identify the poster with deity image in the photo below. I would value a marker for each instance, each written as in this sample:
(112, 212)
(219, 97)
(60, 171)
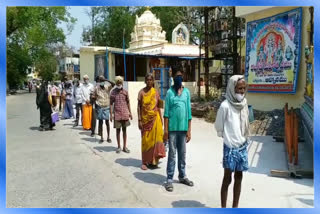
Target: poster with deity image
(273, 53)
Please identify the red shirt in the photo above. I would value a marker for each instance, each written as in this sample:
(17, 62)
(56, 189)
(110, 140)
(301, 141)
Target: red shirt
(120, 99)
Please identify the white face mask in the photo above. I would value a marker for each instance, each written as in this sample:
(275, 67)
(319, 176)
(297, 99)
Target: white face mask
(118, 86)
(239, 97)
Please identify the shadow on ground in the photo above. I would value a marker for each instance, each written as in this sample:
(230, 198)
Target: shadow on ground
(129, 162)
(265, 155)
(105, 148)
(150, 178)
(90, 139)
(188, 203)
(87, 133)
(34, 128)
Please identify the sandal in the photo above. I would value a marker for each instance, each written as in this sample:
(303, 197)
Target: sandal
(109, 140)
(186, 181)
(126, 150)
(144, 167)
(168, 186)
(118, 150)
(151, 166)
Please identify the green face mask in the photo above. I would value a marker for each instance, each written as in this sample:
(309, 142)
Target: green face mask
(102, 84)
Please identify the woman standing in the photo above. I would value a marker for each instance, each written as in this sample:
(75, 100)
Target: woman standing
(44, 103)
(150, 124)
(68, 109)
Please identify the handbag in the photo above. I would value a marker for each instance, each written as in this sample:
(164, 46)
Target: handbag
(55, 117)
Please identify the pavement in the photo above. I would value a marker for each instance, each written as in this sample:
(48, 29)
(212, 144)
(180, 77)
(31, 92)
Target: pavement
(69, 168)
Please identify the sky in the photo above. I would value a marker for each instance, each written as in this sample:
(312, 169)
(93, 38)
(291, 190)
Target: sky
(74, 38)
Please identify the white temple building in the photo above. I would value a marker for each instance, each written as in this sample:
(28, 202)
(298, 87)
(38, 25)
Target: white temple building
(148, 51)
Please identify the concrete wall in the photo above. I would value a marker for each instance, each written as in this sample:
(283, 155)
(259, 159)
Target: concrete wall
(268, 102)
(87, 65)
(242, 11)
(133, 89)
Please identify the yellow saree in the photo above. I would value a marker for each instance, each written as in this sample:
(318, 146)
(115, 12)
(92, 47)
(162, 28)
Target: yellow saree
(152, 133)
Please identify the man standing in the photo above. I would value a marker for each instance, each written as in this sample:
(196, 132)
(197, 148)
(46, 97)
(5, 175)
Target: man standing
(93, 103)
(122, 112)
(177, 127)
(86, 90)
(102, 98)
(78, 101)
(232, 124)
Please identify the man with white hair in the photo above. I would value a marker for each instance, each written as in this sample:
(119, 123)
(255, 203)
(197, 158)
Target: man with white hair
(232, 124)
(86, 90)
(121, 110)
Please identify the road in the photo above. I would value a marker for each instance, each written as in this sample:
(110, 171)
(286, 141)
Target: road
(68, 168)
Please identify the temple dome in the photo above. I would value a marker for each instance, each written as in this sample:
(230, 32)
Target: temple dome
(147, 18)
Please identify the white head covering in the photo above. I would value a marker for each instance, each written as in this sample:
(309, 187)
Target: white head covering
(85, 76)
(241, 106)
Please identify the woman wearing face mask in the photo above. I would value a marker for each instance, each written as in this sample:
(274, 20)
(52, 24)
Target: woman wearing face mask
(232, 124)
(68, 109)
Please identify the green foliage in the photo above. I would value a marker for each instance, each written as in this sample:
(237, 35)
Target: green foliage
(109, 23)
(46, 65)
(169, 17)
(32, 31)
(211, 115)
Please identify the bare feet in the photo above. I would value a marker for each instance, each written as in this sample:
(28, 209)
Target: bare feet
(144, 167)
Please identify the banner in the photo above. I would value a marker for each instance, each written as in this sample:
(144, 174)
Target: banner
(273, 53)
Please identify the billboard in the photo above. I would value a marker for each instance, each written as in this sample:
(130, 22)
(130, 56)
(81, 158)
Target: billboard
(273, 53)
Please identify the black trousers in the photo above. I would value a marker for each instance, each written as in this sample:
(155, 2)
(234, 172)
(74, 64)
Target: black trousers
(78, 109)
(94, 119)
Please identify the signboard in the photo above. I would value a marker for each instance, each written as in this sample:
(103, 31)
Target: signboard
(273, 53)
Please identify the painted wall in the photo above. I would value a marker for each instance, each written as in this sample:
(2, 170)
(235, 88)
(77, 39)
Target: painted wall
(277, 101)
(133, 90)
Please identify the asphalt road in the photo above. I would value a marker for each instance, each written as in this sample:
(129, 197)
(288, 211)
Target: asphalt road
(68, 168)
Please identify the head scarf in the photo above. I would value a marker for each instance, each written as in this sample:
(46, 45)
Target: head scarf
(241, 106)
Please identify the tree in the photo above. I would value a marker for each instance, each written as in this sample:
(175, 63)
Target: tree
(109, 22)
(46, 65)
(32, 31)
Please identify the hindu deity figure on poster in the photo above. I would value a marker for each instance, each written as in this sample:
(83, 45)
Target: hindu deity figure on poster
(273, 52)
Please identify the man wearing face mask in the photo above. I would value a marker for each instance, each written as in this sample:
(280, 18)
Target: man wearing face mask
(78, 100)
(177, 128)
(120, 108)
(86, 90)
(102, 97)
(232, 124)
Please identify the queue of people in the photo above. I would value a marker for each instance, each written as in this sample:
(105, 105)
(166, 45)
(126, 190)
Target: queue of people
(108, 102)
